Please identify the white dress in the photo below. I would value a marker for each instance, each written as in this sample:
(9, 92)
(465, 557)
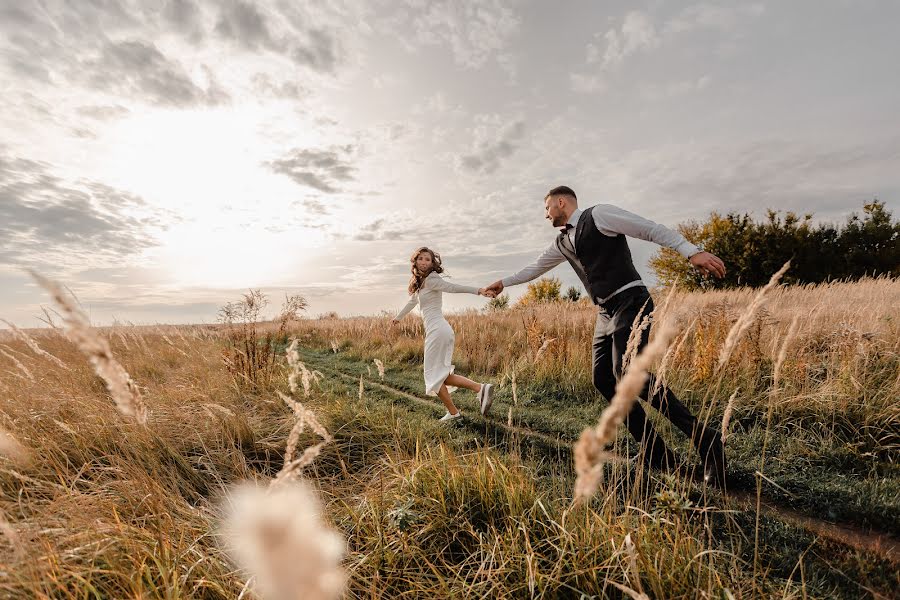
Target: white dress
(439, 337)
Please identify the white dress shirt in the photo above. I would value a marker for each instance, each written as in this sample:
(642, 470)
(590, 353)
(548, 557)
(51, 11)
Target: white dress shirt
(610, 220)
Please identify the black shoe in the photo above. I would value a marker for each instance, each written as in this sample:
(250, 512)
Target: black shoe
(712, 454)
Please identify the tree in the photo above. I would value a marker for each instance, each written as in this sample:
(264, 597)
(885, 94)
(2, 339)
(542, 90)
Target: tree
(752, 250)
(573, 294)
(545, 289)
(500, 302)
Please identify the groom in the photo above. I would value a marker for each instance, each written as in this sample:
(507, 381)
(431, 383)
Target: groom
(593, 241)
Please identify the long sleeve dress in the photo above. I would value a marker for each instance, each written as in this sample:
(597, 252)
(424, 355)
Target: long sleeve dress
(439, 336)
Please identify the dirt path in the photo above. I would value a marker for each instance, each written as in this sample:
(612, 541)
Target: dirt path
(883, 544)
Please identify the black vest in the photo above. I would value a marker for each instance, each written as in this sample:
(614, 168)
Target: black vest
(603, 263)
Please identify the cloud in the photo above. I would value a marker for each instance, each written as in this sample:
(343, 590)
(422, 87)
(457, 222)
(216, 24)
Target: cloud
(46, 220)
(474, 32)
(103, 113)
(319, 169)
(243, 23)
(285, 90)
(184, 16)
(298, 36)
(493, 147)
(709, 16)
(586, 83)
(315, 207)
(636, 34)
(377, 230)
(139, 69)
(764, 174)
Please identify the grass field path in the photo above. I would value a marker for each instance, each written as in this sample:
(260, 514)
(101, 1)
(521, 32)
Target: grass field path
(883, 544)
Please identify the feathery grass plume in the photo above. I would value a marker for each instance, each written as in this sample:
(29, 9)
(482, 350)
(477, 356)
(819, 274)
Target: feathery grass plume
(219, 408)
(726, 418)
(380, 366)
(589, 449)
(298, 369)
(10, 534)
(640, 323)
(542, 349)
(631, 553)
(743, 324)
(121, 387)
(123, 339)
(17, 362)
(170, 342)
(303, 417)
(278, 536)
(12, 449)
(33, 345)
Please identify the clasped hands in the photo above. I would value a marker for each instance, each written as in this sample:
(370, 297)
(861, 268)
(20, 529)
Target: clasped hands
(491, 291)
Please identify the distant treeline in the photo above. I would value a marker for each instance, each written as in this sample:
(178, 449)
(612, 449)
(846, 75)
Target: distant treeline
(867, 245)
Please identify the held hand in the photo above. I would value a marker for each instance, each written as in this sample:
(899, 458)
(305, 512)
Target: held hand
(709, 264)
(494, 290)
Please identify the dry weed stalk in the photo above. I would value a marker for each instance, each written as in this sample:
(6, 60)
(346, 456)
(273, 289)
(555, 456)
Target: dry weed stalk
(743, 324)
(380, 366)
(121, 387)
(361, 388)
(589, 449)
(33, 345)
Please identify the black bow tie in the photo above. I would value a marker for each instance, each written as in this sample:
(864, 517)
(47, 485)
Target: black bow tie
(566, 228)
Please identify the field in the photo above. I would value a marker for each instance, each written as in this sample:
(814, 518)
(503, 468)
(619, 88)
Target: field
(97, 505)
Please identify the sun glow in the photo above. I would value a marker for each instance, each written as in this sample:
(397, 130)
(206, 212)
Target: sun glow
(230, 221)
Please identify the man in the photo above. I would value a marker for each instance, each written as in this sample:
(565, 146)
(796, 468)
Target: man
(593, 241)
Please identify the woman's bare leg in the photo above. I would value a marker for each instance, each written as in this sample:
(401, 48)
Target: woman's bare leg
(444, 395)
(463, 382)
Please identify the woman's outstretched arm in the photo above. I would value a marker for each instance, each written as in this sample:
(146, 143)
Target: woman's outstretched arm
(436, 282)
(409, 306)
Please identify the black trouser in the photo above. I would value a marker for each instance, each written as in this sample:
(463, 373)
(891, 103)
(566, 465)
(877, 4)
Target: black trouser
(611, 332)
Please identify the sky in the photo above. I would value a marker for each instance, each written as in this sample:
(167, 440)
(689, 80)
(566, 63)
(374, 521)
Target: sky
(161, 158)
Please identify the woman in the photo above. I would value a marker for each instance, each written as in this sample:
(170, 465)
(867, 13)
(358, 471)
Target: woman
(426, 287)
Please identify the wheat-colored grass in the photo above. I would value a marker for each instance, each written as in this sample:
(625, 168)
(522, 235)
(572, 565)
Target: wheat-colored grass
(122, 388)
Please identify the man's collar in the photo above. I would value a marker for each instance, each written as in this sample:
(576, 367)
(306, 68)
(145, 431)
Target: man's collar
(573, 220)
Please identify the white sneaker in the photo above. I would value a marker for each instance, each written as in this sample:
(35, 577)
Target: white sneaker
(449, 417)
(486, 395)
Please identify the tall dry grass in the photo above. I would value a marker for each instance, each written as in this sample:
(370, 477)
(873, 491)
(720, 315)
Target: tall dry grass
(114, 509)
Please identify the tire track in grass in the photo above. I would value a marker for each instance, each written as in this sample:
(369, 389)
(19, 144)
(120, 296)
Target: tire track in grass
(882, 544)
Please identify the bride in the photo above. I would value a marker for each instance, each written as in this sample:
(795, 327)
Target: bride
(425, 288)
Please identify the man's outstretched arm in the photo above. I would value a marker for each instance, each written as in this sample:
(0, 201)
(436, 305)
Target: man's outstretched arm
(548, 259)
(612, 220)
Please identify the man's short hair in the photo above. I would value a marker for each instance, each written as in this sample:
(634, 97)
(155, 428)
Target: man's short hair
(562, 190)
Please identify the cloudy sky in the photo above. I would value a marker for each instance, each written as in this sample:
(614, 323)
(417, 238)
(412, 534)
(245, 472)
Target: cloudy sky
(161, 157)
